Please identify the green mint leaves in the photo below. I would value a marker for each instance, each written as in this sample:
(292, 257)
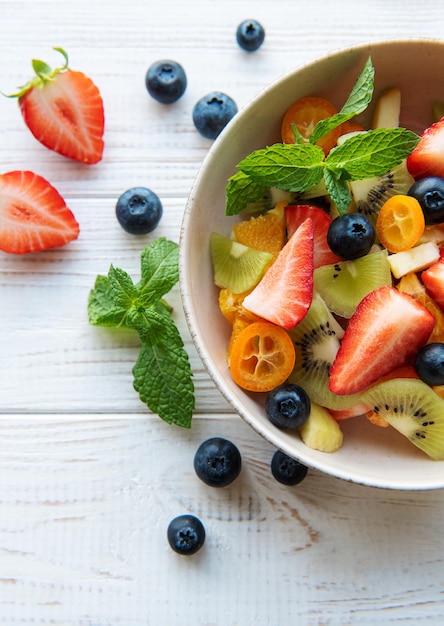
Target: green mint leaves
(162, 373)
(298, 167)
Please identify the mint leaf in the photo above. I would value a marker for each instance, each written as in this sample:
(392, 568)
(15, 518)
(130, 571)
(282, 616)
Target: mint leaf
(159, 269)
(292, 167)
(148, 321)
(338, 190)
(162, 377)
(372, 153)
(241, 191)
(358, 100)
(122, 288)
(162, 374)
(101, 308)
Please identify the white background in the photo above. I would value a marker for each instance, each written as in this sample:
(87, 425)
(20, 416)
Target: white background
(88, 478)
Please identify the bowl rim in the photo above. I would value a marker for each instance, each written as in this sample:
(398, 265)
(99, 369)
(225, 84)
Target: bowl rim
(191, 320)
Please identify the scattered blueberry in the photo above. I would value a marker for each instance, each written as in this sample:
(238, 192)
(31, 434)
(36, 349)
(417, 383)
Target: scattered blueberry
(287, 406)
(286, 470)
(429, 192)
(166, 81)
(217, 462)
(138, 210)
(212, 113)
(429, 363)
(250, 35)
(351, 236)
(186, 534)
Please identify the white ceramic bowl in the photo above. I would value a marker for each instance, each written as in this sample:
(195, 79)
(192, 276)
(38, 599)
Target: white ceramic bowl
(373, 456)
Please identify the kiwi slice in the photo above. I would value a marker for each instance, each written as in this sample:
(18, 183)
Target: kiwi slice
(316, 341)
(412, 408)
(370, 194)
(344, 284)
(237, 267)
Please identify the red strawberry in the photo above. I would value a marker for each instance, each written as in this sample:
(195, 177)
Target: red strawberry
(385, 332)
(64, 110)
(295, 214)
(427, 159)
(33, 215)
(284, 294)
(433, 279)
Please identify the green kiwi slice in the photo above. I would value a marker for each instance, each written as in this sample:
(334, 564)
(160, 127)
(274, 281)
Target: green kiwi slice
(237, 267)
(370, 194)
(412, 408)
(344, 284)
(316, 341)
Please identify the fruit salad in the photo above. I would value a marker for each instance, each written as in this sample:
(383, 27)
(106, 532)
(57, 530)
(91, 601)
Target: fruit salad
(333, 280)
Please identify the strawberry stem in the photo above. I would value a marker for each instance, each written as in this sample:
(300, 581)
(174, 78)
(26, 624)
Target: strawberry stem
(44, 73)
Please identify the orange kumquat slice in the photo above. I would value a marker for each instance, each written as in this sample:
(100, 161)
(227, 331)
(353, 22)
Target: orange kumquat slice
(305, 113)
(262, 356)
(400, 223)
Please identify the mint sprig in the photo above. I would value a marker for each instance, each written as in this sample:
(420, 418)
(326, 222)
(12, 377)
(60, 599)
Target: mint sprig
(358, 100)
(162, 373)
(300, 166)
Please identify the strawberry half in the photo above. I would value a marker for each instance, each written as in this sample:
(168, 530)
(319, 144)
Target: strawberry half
(284, 294)
(385, 332)
(433, 279)
(63, 109)
(295, 214)
(33, 215)
(427, 158)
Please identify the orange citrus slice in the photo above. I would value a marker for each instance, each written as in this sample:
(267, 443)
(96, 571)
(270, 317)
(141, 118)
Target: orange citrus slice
(264, 232)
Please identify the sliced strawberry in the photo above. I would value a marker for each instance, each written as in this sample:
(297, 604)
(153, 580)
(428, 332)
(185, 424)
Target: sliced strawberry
(33, 215)
(433, 279)
(355, 411)
(64, 110)
(295, 214)
(427, 157)
(385, 332)
(284, 294)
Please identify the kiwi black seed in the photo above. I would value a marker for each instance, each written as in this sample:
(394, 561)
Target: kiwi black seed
(316, 341)
(370, 194)
(412, 408)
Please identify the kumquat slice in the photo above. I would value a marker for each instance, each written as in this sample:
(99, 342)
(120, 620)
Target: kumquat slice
(400, 223)
(262, 357)
(305, 113)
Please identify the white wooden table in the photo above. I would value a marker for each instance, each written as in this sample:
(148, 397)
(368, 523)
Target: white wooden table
(89, 479)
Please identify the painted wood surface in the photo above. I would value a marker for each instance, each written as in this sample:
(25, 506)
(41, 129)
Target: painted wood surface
(89, 478)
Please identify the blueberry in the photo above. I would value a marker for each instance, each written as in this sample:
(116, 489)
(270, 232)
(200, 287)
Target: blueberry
(351, 235)
(212, 113)
(186, 534)
(166, 81)
(429, 363)
(138, 210)
(287, 406)
(217, 462)
(429, 192)
(286, 470)
(250, 35)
